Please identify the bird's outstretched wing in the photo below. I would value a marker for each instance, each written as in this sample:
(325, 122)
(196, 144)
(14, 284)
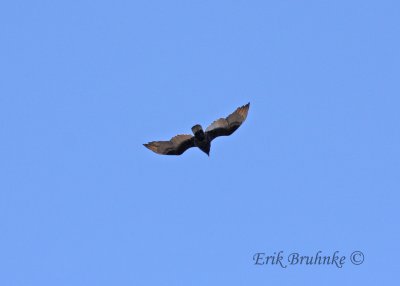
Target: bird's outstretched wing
(226, 126)
(176, 146)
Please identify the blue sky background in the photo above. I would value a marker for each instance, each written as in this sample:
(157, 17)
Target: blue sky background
(83, 84)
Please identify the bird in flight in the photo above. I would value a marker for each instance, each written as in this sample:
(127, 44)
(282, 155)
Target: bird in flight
(221, 127)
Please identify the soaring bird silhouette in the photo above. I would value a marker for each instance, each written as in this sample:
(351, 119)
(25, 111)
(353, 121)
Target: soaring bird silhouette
(221, 127)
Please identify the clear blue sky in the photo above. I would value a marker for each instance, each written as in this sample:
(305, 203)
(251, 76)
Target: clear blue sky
(83, 84)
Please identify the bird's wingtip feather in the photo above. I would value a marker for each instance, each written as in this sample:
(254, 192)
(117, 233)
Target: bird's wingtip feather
(151, 146)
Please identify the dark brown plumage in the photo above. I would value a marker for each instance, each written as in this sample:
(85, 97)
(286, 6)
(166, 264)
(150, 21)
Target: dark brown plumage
(221, 127)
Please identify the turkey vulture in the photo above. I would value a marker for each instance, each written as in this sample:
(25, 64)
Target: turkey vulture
(221, 127)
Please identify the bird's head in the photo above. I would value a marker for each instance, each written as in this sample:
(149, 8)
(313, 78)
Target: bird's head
(198, 131)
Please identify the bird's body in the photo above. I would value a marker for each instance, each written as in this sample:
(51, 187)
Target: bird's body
(221, 127)
(201, 139)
